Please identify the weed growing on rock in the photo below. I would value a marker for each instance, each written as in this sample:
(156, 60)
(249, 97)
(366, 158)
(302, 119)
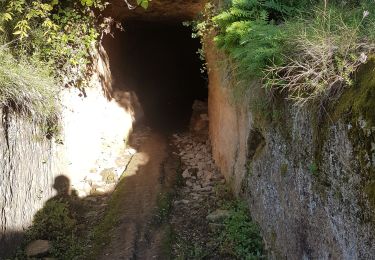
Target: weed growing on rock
(28, 88)
(164, 205)
(240, 236)
(57, 223)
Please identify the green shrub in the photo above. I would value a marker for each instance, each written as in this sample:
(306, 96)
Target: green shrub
(56, 223)
(241, 236)
(309, 49)
(61, 33)
(249, 32)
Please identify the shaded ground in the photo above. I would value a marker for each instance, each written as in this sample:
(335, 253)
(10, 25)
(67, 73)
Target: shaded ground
(170, 187)
(141, 187)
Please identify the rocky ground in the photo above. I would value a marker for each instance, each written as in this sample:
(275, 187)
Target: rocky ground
(170, 200)
(196, 216)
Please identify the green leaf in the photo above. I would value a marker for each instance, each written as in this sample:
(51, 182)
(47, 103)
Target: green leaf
(87, 2)
(54, 2)
(7, 16)
(143, 3)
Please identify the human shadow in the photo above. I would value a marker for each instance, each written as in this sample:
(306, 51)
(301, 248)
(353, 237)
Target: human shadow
(56, 222)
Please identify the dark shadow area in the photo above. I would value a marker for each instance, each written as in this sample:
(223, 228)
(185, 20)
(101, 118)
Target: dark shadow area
(12, 239)
(54, 230)
(158, 62)
(8, 243)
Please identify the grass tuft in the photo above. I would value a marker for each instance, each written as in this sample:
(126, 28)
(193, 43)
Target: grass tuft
(27, 88)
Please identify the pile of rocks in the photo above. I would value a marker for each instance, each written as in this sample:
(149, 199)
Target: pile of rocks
(199, 170)
(195, 208)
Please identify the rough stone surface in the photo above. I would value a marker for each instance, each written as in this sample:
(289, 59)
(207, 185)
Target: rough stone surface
(159, 10)
(28, 167)
(218, 215)
(196, 203)
(304, 213)
(38, 248)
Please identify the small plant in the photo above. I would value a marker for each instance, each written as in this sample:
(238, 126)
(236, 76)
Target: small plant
(327, 50)
(169, 237)
(240, 236)
(191, 251)
(164, 207)
(284, 169)
(56, 222)
(313, 168)
(249, 169)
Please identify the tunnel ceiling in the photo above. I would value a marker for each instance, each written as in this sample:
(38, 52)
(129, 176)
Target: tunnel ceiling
(159, 10)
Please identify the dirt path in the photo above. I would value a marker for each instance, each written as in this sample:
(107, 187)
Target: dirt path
(139, 193)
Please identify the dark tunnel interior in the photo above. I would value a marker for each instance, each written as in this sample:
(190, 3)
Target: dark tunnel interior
(159, 63)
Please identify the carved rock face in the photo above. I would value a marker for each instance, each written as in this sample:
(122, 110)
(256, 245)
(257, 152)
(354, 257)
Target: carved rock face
(159, 10)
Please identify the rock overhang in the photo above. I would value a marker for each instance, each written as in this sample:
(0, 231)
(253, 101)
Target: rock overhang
(158, 10)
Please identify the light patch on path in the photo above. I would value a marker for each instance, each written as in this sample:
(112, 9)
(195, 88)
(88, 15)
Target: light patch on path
(140, 190)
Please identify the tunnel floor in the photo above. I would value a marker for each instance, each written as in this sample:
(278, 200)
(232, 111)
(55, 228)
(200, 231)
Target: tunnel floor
(159, 64)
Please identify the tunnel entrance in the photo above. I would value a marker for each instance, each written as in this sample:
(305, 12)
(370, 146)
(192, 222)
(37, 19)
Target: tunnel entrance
(159, 64)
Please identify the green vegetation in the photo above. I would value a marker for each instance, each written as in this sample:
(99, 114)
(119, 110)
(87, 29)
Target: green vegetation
(191, 251)
(168, 238)
(314, 169)
(27, 87)
(360, 98)
(284, 169)
(100, 235)
(164, 206)
(44, 46)
(308, 49)
(56, 222)
(60, 34)
(356, 107)
(240, 236)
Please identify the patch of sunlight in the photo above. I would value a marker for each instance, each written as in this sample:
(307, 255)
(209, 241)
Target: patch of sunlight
(139, 159)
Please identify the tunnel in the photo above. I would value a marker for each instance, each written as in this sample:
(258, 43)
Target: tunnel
(157, 63)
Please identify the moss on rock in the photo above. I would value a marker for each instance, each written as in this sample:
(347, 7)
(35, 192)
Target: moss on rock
(359, 99)
(357, 108)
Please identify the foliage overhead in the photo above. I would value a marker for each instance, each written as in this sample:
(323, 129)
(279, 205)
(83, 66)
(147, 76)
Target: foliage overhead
(44, 45)
(60, 33)
(309, 49)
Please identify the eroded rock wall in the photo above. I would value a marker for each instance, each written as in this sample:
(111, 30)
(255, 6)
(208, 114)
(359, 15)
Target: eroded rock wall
(28, 167)
(158, 10)
(307, 209)
(92, 140)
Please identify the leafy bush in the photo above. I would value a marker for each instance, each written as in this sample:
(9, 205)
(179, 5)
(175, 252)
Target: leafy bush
(311, 55)
(241, 236)
(250, 33)
(61, 33)
(56, 223)
(45, 45)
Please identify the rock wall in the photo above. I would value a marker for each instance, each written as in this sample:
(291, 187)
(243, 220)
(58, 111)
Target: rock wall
(94, 131)
(27, 171)
(305, 184)
(158, 10)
